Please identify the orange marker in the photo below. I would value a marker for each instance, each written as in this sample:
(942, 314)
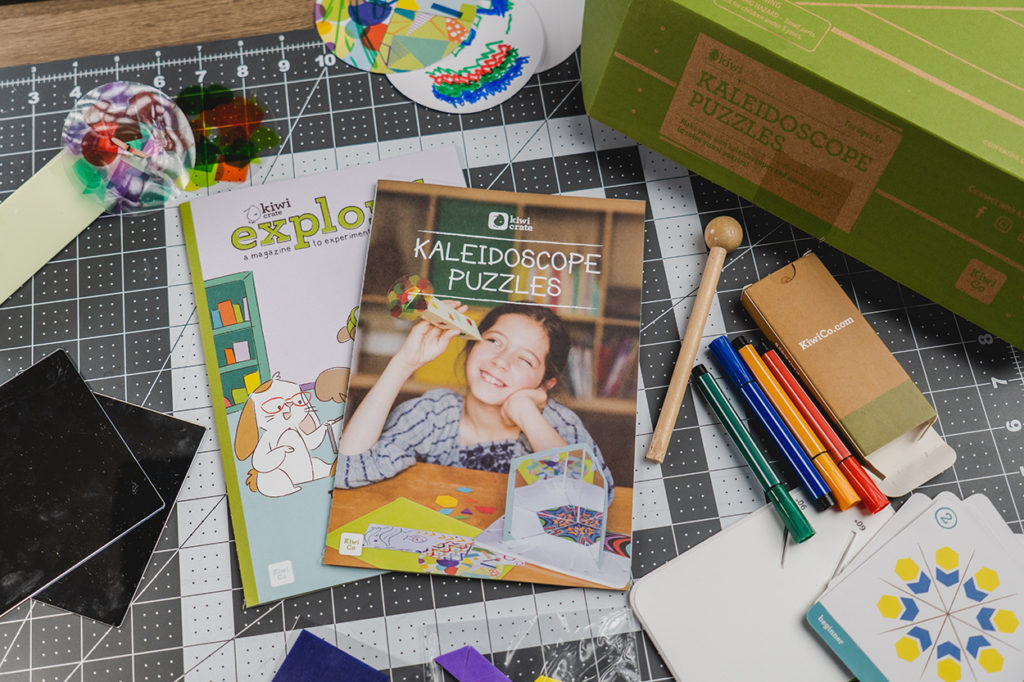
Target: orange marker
(873, 498)
(844, 493)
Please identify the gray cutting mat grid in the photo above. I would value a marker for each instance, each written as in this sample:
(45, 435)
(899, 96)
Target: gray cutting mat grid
(119, 300)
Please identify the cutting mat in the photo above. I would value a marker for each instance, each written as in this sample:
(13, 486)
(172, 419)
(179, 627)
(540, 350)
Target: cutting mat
(119, 300)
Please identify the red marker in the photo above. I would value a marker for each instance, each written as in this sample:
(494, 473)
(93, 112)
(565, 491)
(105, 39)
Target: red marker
(869, 493)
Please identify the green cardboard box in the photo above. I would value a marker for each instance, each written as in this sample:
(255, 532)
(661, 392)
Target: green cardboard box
(893, 131)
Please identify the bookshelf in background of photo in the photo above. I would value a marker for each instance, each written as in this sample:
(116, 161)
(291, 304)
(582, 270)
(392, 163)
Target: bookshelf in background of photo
(237, 336)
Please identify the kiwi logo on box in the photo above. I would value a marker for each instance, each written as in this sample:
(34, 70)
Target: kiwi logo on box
(981, 281)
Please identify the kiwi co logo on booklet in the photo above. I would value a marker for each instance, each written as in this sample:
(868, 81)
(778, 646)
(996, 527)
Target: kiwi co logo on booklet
(499, 220)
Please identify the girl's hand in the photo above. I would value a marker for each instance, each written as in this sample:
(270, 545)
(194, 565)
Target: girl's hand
(519, 407)
(426, 342)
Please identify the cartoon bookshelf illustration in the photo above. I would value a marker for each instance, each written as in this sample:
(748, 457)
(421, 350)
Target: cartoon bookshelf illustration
(237, 336)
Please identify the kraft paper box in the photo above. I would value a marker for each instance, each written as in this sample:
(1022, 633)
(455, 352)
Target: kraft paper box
(894, 132)
(850, 372)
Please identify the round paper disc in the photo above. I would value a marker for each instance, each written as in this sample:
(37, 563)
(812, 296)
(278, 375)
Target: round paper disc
(563, 29)
(391, 36)
(508, 45)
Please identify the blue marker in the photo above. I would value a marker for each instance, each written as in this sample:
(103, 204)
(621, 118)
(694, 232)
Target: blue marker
(734, 367)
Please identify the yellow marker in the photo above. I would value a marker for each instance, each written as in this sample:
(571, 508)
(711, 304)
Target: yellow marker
(844, 493)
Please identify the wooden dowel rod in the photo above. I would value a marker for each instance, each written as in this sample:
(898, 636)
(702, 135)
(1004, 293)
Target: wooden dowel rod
(722, 235)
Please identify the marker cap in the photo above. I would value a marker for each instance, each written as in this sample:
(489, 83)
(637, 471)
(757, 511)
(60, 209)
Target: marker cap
(873, 498)
(797, 524)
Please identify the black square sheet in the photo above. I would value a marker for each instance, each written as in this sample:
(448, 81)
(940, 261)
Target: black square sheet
(102, 587)
(68, 482)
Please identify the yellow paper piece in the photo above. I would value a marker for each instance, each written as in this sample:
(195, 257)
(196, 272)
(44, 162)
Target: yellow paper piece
(238, 395)
(542, 678)
(252, 382)
(39, 219)
(446, 501)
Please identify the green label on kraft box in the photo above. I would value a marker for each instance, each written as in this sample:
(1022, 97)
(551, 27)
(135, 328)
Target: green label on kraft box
(796, 143)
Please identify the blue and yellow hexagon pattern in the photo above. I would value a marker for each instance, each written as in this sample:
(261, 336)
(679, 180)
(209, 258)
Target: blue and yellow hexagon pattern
(980, 627)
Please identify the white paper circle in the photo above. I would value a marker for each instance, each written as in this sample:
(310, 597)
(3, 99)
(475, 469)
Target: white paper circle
(563, 29)
(499, 61)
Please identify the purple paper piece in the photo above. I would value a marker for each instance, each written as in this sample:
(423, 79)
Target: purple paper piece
(469, 665)
(311, 658)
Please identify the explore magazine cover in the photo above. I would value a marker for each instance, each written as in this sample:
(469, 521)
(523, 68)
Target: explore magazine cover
(492, 417)
(276, 271)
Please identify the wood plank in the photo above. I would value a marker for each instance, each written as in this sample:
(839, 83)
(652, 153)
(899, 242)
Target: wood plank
(49, 30)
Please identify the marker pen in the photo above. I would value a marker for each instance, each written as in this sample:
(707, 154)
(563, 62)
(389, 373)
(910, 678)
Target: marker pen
(841, 489)
(774, 489)
(873, 498)
(741, 377)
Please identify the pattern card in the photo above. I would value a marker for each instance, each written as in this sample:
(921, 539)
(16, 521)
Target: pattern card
(941, 600)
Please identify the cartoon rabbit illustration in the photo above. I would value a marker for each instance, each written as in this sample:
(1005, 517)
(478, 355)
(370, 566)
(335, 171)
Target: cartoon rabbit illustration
(278, 427)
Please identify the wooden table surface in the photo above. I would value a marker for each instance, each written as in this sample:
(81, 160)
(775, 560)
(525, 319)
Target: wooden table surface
(48, 30)
(423, 482)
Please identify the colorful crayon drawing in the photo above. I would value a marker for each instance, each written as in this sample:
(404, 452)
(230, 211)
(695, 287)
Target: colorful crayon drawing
(483, 563)
(491, 65)
(494, 72)
(390, 36)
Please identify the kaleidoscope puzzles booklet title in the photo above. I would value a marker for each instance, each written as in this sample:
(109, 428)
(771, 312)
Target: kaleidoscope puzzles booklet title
(276, 272)
(494, 407)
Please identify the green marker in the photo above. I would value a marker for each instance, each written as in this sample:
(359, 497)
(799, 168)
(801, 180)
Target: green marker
(797, 524)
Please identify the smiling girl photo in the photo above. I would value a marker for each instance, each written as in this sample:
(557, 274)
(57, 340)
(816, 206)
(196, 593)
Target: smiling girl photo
(504, 411)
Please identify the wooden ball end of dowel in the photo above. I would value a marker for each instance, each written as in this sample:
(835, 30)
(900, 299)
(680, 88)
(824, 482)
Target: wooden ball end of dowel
(723, 232)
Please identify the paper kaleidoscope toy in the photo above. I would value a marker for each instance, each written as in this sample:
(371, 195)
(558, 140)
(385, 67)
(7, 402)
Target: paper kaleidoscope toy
(979, 627)
(557, 493)
(130, 145)
(407, 297)
(412, 296)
